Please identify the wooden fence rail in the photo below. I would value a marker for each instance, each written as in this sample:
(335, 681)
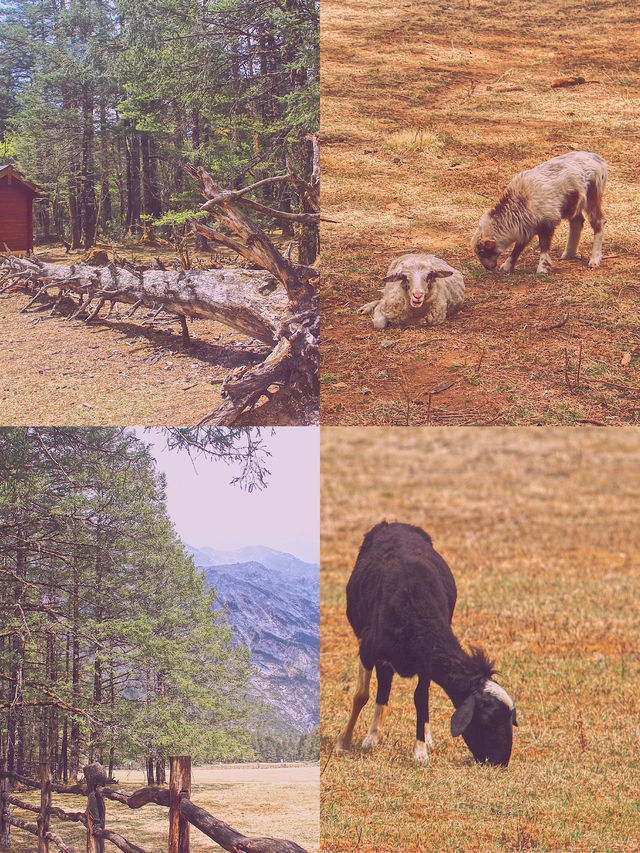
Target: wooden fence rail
(177, 798)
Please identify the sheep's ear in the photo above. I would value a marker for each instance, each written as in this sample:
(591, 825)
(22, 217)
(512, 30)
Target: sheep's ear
(395, 276)
(462, 716)
(490, 244)
(442, 273)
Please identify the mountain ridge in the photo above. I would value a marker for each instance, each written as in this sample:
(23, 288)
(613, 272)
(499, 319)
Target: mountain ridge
(274, 608)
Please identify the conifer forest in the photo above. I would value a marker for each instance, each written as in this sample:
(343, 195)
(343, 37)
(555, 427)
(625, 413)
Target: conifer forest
(104, 103)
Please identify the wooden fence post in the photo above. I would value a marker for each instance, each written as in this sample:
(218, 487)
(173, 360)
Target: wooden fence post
(96, 776)
(179, 786)
(45, 807)
(5, 826)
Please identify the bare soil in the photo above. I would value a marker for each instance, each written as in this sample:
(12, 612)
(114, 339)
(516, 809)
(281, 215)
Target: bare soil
(120, 370)
(257, 800)
(428, 110)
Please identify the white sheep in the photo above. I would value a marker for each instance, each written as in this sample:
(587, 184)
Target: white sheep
(417, 286)
(535, 202)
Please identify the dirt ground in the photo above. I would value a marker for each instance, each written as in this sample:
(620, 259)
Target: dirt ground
(428, 110)
(120, 370)
(257, 800)
(540, 529)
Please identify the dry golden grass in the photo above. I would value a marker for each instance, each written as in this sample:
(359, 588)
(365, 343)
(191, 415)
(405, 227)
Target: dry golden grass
(540, 528)
(427, 111)
(264, 800)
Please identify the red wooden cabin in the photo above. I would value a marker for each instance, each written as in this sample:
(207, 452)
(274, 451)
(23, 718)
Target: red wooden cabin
(16, 210)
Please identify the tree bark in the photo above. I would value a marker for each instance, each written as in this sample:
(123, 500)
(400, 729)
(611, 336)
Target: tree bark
(247, 300)
(87, 188)
(132, 144)
(151, 189)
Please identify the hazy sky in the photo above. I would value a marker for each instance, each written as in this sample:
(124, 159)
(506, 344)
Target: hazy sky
(207, 510)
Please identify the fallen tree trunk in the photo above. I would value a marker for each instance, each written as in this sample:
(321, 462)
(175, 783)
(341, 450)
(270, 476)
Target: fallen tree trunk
(247, 300)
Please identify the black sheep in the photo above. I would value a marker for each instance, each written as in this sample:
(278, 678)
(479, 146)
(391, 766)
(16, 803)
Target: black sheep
(400, 601)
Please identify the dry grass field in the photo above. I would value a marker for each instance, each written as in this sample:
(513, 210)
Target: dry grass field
(540, 528)
(268, 800)
(428, 110)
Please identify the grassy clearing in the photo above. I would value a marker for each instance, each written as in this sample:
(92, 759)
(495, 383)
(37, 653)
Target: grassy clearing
(428, 110)
(264, 800)
(540, 529)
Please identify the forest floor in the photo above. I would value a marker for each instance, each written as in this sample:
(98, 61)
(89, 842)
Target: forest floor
(428, 110)
(117, 371)
(274, 800)
(544, 545)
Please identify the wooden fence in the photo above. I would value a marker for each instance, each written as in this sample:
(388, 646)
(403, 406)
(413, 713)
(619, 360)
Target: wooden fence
(182, 813)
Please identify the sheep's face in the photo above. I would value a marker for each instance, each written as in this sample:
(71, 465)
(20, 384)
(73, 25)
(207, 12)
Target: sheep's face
(418, 284)
(487, 253)
(485, 721)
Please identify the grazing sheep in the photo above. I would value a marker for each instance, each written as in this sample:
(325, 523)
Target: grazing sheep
(417, 286)
(536, 201)
(400, 600)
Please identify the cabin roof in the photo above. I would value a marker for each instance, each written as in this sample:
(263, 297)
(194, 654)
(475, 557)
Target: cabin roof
(13, 174)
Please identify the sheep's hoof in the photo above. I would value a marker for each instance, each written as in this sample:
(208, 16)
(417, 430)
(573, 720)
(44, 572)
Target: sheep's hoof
(420, 754)
(370, 742)
(506, 267)
(340, 747)
(594, 262)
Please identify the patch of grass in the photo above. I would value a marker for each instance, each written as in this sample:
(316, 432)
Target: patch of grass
(540, 530)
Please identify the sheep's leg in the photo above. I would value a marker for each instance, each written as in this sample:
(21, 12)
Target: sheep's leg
(384, 674)
(596, 220)
(380, 320)
(575, 230)
(423, 729)
(437, 313)
(545, 235)
(359, 701)
(369, 307)
(510, 263)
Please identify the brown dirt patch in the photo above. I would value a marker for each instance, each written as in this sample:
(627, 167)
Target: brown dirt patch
(427, 111)
(117, 371)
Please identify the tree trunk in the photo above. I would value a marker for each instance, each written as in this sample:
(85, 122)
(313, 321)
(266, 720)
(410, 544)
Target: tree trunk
(133, 179)
(150, 777)
(75, 675)
(87, 187)
(247, 300)
(105, 190)
(75, 218)
(151, 190)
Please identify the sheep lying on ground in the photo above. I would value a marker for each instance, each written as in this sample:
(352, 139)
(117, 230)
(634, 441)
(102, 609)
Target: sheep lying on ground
(417, 286)
(536, 201)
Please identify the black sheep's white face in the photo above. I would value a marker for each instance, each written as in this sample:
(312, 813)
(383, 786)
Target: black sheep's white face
(485, 720)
